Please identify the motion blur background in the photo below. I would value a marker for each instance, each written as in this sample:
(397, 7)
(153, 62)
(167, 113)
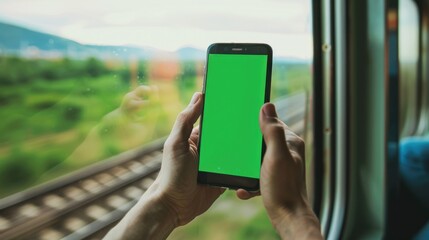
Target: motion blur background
(67, 68)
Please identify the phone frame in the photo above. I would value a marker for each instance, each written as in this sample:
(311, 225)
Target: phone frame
(225, 180)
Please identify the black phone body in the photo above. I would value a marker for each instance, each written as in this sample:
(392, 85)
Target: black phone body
(236, 85)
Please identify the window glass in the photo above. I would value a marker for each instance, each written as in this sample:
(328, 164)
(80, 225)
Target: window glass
(408, 66)
(82, 81)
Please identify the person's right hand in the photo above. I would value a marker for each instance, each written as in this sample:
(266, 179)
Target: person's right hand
(282, 181)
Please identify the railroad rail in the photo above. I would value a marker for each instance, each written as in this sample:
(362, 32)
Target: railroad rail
(87, 203)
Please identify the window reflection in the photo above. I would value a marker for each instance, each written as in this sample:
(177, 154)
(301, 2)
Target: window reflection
(112, 76)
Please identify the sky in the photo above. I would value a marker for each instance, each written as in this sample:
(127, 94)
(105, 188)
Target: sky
(170, 24)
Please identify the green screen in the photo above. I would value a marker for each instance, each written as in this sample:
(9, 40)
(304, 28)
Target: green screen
(231, 140)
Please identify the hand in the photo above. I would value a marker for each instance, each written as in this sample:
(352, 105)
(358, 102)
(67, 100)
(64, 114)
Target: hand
(175, 198)
(177, 180)
(282, 182)
(133, 123)
(142, 97)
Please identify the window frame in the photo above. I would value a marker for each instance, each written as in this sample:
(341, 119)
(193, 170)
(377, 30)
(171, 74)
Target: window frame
(356, 99)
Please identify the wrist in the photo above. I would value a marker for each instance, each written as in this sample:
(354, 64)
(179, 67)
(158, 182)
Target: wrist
(297, 223)
(148, 219)
(154, 199)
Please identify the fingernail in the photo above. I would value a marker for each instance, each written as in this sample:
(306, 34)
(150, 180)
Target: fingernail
(269, 110)
(195, 98)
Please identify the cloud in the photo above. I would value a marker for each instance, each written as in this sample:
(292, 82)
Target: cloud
(168, 24)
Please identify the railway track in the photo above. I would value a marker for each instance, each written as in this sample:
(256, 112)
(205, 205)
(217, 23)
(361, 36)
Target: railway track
(87, 203)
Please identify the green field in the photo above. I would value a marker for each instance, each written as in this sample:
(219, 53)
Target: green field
(61, 115)
(49, 108)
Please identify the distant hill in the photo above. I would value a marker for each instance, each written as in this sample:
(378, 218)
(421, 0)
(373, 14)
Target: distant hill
(291, 60)
(28, 43)
(191, 53)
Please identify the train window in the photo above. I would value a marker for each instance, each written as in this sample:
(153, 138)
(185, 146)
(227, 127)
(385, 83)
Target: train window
(413, 120)
(423, 128)
(91, 92)
(408, 28)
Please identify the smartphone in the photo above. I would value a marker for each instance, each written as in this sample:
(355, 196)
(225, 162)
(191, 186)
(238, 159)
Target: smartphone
(237, 83)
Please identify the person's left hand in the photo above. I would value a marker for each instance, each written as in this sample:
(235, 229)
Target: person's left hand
(140, 102)
(177, 180)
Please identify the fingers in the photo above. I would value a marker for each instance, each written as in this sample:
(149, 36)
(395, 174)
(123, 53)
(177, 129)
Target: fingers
(184, 123)
(272, 128)
(138, 99)
(244, 195)
(137, 104)
(195, 134)
(143, 91)
(280, 140)
(147, 92)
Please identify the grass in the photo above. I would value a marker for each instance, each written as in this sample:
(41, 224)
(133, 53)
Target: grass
(46, 122)
(50, 128)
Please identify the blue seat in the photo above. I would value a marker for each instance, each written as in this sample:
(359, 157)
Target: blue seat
(414, 169)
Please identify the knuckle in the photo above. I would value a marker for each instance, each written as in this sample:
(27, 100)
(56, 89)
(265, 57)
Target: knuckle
(129, 96)
(298, 157)
(182, 116)
(173, 144)
(276, 128)
(142, 87)
(299, 142)
(181, 130)
(142, 90)
(168, 143)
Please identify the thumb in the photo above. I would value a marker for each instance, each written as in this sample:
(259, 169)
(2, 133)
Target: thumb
(273, 129)
(185, 120)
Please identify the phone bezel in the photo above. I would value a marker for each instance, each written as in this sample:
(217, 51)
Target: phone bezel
(224, 180)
